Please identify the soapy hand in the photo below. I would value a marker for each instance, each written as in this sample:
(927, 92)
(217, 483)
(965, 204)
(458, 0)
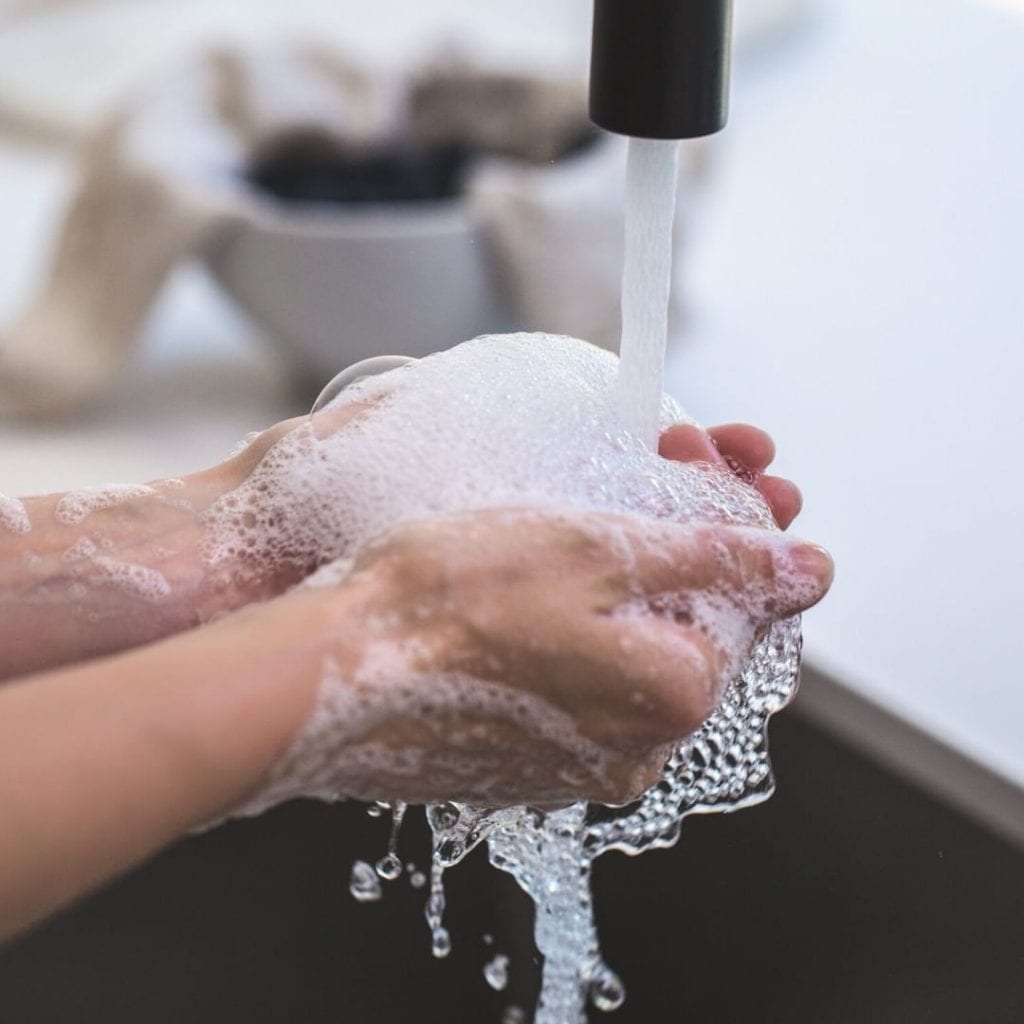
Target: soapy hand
(158, 530)
(590, 636)
(624, 684)
(743, 449)
(740, 448)
(536, 656)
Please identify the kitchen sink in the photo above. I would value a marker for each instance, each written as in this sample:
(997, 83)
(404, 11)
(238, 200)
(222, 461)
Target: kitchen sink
(851, 897)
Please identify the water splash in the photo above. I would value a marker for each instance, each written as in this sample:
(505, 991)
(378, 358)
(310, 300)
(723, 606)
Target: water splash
(364, 883)
(496, 972)
(723, 766)
(440, 940)
(389, 867)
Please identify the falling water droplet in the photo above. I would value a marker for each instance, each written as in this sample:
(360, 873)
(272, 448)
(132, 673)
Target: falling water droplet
(440, 943)
(607, 992)
(389, 867)
(443, 816)
(513, 1015)
(496, 972)
(440, 940)
(364, 884)
(417, 879)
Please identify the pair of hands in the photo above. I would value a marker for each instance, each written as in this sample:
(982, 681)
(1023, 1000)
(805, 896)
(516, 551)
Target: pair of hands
(530, 602)
(574, 627)
(533, 603)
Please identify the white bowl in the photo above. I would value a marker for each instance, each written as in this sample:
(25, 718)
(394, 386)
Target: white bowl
(334, 286)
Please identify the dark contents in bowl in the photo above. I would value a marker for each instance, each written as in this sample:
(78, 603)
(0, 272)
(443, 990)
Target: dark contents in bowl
(308, 165)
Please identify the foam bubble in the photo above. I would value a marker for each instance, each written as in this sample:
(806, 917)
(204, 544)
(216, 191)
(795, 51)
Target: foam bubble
(135, 580)
(75, 506)
(14, 515)
(90, 566)
(498, 421)
(336, 756)
(496, 972)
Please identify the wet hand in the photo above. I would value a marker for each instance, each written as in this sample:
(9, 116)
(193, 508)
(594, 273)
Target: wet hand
(531, 656)
(746, 451)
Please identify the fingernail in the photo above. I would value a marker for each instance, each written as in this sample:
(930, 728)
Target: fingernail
(812, 560)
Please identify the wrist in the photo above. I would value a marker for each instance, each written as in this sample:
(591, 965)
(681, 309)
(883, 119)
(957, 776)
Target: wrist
(104, 569)
(241, 577)
(278, 656)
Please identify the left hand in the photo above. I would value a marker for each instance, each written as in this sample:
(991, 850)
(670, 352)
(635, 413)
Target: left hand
(745, 450)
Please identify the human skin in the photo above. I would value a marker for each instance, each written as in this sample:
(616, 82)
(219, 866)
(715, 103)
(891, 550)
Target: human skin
(104, 763)
(56, 610)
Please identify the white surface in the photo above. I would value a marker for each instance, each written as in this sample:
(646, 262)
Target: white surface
(62, 68)
(858, 291)
(200, 383)
(65, 67)
(860, 294)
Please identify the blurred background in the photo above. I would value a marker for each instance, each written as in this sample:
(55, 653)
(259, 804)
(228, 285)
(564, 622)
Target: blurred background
(182, 263)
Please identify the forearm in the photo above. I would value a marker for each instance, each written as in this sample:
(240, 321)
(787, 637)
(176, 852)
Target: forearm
(81, 577)
(102, 765)
(93, 572)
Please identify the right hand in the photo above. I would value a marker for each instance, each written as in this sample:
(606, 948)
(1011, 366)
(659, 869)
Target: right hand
(619, 634)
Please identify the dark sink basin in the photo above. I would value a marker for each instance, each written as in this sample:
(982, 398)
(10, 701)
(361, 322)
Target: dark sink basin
(849, 898)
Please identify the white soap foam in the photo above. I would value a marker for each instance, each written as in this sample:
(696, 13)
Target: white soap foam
(102, 570)
(521, 421)
(336, 757)
(14, 515)
(135, 580)
(75, 506)
(513, 420)
(245, 444)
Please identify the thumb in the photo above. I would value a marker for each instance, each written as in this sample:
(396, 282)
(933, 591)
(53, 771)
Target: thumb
(772, 575)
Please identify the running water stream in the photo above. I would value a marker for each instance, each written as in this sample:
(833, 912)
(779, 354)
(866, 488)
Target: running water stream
(652, 170)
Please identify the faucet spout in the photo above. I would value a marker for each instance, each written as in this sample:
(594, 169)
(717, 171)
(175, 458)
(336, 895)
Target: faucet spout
(660, 68)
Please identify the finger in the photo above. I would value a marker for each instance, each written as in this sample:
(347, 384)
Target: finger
(783, 497)
(246, 458)
(687, 442)
(746, 446)
(771, 576)
(767, 574)
(672, 678)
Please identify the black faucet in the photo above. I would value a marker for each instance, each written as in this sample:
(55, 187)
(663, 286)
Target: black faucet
(659, 69)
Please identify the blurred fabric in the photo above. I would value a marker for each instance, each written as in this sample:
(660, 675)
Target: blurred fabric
(164, 176)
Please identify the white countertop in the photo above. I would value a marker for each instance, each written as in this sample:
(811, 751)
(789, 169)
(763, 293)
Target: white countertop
(856, 288)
